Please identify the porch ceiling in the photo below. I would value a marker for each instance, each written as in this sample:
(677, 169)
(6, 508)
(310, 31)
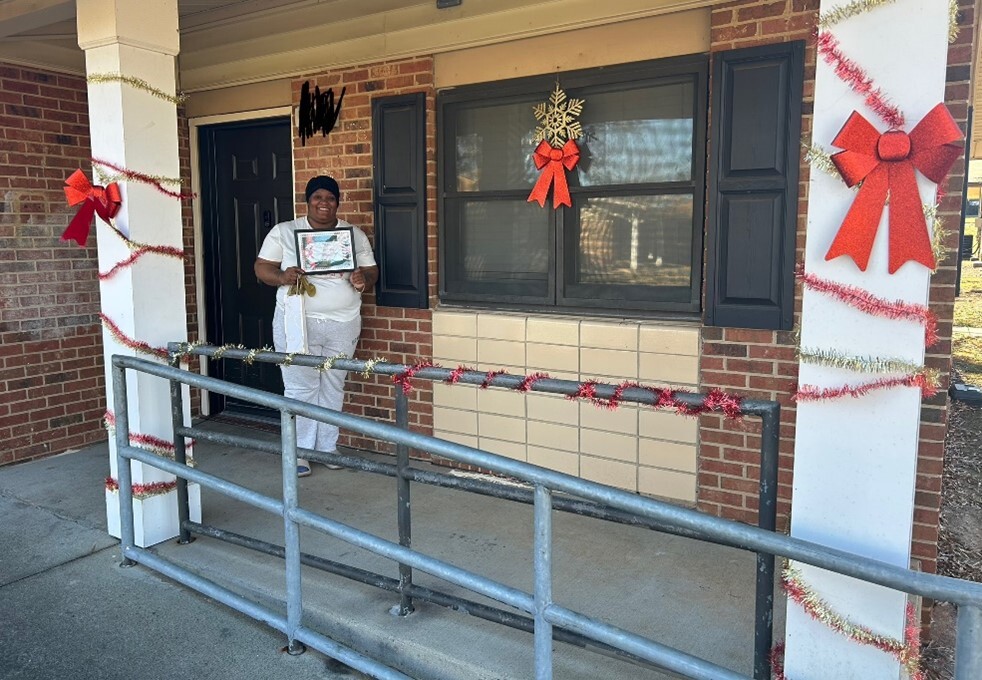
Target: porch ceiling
(230, 42)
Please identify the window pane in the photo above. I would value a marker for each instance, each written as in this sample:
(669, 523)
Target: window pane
(636, 136)
(637, 241)
(494, 147)
(506, 242)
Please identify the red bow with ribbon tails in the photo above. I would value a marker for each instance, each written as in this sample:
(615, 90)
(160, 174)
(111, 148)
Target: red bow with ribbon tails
(104, 202)
(554, 161)
(885, 164)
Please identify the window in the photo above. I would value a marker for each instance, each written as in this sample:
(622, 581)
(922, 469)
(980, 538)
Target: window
(633, 236)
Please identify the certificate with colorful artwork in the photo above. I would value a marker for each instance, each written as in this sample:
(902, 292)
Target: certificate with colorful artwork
(326, 251)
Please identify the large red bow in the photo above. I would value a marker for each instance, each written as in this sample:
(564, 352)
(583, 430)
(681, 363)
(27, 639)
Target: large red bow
(885, 163)
(554, 160)
(104, 202)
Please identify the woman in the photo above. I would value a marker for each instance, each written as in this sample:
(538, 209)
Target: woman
(333, 312)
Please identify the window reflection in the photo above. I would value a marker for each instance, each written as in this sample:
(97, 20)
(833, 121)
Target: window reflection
(505, 242)
(636, 240)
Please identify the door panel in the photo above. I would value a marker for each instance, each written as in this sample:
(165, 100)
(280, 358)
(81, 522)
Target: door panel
(247, 187)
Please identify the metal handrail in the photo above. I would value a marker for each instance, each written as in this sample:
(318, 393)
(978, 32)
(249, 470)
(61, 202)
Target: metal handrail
(768, 411)
(968, 596)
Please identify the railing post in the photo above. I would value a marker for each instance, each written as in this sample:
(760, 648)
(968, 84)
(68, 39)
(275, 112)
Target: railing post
(291, 532)
(125, 477)
(180, 455)
(542, 513)
(403, 506)
(770, 438)
(968, 645)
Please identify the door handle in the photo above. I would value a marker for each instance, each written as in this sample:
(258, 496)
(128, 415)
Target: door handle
(267, 219)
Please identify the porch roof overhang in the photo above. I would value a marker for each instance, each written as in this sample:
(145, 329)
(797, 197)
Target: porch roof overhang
(234, 42)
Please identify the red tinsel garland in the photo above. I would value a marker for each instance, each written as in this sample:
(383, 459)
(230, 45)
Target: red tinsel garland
(144, 440)
(455, 374)
(716, 400)
(855, 77)
(144, 178)
(168, 251)
(143, 491)
(490, 376)
(135, 345)
(866, 302)
(906, 651)
(813, 393)
(404, 379)
(529, 380)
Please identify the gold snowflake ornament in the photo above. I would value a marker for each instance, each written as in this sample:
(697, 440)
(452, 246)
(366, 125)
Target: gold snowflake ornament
(557, 118)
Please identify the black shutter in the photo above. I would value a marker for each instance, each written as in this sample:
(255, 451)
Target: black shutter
(399, 158)
(753, 186)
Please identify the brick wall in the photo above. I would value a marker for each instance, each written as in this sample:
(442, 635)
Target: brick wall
(51, 368)
(397, 335)
(762, 363)
(934, 411)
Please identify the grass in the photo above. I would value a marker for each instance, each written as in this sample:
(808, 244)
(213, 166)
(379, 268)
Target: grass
(967, 349)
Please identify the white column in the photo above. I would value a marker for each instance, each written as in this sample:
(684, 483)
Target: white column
(855, 459)
(132, 128)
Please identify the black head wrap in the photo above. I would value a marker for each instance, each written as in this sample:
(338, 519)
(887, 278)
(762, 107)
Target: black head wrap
(322, 182)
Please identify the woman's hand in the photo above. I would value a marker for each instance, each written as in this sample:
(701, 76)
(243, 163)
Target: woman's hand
(290, 276)
(358, 280)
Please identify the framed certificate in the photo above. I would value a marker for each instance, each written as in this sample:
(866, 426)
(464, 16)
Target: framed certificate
(326, 251)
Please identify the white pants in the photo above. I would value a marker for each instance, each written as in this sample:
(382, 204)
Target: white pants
(323, 388)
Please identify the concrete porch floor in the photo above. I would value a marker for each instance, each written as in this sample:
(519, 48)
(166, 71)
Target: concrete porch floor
(69, 610)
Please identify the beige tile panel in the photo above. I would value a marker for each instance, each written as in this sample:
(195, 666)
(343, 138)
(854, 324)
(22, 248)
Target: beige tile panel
(553, 331)
(554, 436)
(609, 445)
(455, 396)
(606, 335)
(671, 455)
(552, 409)
(667, 425)
(501, 401)
(455, 323)
(678, 485)
(501, 427)
(505, 352)
(462, 439)
(501, 327)
(513, 450)
(610, 472)
(552, 358)
(668, 368)
(623, 420)
(453, 420)
(561, 461)
(670, 340)
(455, 349)
(619, 364)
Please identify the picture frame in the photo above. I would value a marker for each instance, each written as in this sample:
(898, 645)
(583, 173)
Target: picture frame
(326, 251)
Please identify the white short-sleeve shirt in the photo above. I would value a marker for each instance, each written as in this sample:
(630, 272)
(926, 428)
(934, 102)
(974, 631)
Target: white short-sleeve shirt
(336, 299)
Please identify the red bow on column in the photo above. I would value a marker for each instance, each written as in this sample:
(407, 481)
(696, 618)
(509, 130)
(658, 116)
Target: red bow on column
(885, 163)
(104, 202)
(554, 160)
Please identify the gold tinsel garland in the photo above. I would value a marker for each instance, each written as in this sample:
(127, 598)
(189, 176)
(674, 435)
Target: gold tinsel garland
(110, 177)
(834, 16)
(139, 84)
(868, 364)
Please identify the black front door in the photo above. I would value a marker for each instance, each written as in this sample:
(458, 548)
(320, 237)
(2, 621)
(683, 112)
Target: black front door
(246, 188)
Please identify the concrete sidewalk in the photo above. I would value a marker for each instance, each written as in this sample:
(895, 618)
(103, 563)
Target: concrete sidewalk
(69, 610)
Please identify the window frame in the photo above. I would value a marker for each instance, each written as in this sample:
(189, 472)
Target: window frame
(564, 296)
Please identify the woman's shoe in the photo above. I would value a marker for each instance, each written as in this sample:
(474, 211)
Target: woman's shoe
(303, 467)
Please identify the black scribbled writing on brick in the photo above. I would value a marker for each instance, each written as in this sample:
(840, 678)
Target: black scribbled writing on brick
(318, 112)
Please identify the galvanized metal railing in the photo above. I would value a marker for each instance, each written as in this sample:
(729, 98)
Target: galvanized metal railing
(548, 617)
